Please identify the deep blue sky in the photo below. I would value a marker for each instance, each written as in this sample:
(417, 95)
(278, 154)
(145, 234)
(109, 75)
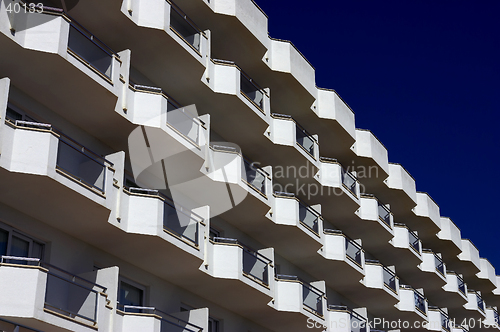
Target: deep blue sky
(424, 77)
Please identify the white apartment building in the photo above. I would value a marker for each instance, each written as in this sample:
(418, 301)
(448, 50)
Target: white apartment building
(266, 210)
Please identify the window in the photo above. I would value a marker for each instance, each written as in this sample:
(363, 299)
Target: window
(14, 243)
(131, 294)
(213, 325)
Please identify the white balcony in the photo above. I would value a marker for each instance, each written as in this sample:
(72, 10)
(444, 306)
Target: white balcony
(400, 190)
(373, 224)
(425, 218)
(250, 185)
(225, 77)
(454, 296)
(449, 242)
(337, 124)
(381, 291)
(51, 31)
(38, 157)
(76, 61)
(475, 306)
(277, 62)
(469, 263)
(303, 151)
(152, 107)
(412, 304)
(242, 22)
(371, 162)
(168, 226)
(169, 18)
(293, 70)
(294, 222)
(431, 276)
(150, 319)
(341, 190)
(493, 298)
(438, 320)
(42, 296)
(305, 300)
(342, 319)
(406, 251)
(486, 280)
(252, 272)
(344, 264)
(492, 320)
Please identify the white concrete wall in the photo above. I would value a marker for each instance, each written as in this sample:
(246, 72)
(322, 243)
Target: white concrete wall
(330, 174)
(23, 291)
(288, 296)
(338, 321)
(28, 151)
(282, 131)
(406, 300)
(373, 276)
(35, 31)
(286, 211)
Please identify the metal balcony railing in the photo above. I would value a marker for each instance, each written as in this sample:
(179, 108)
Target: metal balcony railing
(419, 301)
(312, 297)
(480, 302)
(496, 316)
(255, 176)
(384, 214)
(461, 284)
(389, 278)
(349, 181)
(252, 90)
(439, 265)
(358, 322)
(309, 217)
(255, 264)
(169, 323)
(414, 240)
(73, 158)
(184, 27)
(353, 251)
(90, 49)
(179, 118)
(81, 163)
(66, 294)
(445, 321)
(305, 140)
(177, 220)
